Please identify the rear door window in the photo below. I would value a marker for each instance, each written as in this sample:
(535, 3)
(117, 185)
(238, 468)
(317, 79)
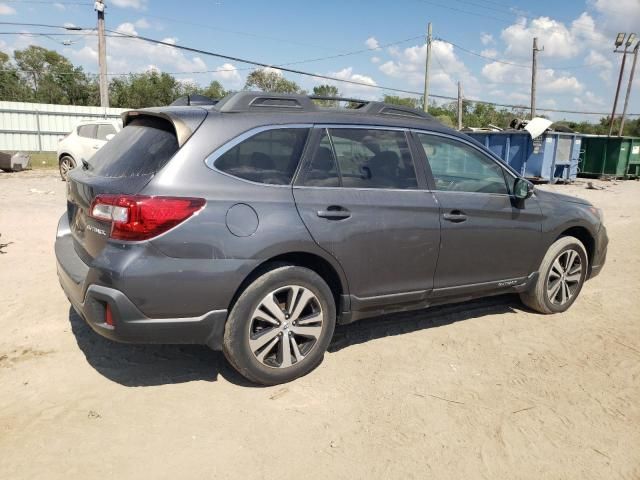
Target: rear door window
(268, 157)
(143, 147)
(87, 131)
(362, 158)
(105, 129)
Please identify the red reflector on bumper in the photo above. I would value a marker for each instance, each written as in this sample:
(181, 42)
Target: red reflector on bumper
(108, 317)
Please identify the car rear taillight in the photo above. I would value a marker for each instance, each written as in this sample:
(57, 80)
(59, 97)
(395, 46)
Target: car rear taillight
(137, 217)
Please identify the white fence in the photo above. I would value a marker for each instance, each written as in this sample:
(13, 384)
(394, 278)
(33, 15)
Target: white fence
(38, 126)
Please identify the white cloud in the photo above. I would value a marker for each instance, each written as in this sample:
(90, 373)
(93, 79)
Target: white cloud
(142, 23)
(548, 80)
(489, 52)
(601, 64)
(618, 16)
(59, 6)
(350, 90)
(375, 60)
(372, 43)
(589, 100)
(130, 55)
(486, 38)
(135, 4)
(446, 68)
(6, 9)
(554, 36)
(229, 76)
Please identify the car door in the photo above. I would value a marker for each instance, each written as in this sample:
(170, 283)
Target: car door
(488, 239)
(86, 141)
(362, 199)
(104, 132)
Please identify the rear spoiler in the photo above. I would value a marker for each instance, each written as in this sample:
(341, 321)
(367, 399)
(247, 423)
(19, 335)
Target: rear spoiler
(185, 120)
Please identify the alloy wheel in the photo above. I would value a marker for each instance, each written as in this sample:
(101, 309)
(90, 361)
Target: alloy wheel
(285, 326)
(563, 280)
(66, 164)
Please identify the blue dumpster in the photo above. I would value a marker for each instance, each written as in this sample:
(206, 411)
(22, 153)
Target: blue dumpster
(550, 157)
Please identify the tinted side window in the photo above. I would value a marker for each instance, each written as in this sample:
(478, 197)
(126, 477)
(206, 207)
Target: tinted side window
(322, 170)
(105, 129)
(461, 168)
(373, 158)
(87, 131)
(267, 157)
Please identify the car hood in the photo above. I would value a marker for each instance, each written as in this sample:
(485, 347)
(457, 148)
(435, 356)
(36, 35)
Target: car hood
(547, 196)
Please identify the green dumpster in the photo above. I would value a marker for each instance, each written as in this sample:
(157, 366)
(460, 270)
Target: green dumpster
(608, 156)
(634, 159)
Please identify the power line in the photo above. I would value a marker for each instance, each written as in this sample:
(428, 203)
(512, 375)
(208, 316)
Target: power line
(325, 77)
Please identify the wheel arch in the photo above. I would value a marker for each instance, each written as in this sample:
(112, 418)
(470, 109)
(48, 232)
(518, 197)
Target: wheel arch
(585, 236)
(331, 274)
(65, 154)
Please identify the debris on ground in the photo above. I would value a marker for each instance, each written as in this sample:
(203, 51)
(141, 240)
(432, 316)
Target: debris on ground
(4, 245)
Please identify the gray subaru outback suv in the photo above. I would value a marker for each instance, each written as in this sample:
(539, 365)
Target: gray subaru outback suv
(256, 224)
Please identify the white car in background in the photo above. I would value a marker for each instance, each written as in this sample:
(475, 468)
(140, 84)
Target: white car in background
(84, 141)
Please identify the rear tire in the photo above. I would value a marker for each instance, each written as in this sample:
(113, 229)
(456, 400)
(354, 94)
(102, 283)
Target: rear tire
(280, 326)
(66, 164)
(560, 278)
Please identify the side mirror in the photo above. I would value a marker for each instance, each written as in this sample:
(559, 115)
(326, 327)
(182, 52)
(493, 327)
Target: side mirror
(522, 189)
(110, 136)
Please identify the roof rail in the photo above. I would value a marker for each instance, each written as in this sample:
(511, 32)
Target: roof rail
(249, 100)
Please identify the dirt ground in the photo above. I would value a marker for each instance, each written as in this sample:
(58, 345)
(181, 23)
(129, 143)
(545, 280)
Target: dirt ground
(478, 390)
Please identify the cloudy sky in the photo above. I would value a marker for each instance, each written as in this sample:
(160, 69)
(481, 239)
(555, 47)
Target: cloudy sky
(489, 50)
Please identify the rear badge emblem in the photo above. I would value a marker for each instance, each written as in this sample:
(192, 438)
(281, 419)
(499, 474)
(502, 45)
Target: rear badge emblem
(97, 230)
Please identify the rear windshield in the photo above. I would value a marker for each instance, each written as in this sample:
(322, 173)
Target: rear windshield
(143, 147)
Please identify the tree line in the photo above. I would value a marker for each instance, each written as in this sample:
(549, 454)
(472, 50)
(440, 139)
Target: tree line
(36, 74)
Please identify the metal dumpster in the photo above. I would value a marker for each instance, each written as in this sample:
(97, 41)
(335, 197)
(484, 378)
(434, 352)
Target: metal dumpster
(550, 157)
(609, 156)
(633, 170)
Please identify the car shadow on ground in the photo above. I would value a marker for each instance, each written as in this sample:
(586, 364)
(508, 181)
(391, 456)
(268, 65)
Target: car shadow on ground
(152, 365)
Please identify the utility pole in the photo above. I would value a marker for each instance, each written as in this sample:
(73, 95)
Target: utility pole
(459, 105)
(618, 43)
(99, 7)
(626, 99)
(534, 69)
(615, 99)
(426, 70)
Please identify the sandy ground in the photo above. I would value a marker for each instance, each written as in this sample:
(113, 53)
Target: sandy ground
(479, 390)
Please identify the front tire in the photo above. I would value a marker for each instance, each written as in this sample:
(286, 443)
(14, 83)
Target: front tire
(66, 164)
(561, 276)
(280, 326)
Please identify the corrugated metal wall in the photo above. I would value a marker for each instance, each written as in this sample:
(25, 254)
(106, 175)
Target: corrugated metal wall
(38, 126)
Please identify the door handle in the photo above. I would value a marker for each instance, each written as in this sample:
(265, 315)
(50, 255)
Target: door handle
(455, 216)
(334, 213)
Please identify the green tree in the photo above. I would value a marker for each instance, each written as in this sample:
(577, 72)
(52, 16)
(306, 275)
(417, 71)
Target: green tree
(403, 101)
(12, 87)
(215, 90)
(53, 78)
(327, 91)
(270, 81)
(149, 89)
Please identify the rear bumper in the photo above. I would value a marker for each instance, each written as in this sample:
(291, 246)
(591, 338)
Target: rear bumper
(600, 253)
(130, 324)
